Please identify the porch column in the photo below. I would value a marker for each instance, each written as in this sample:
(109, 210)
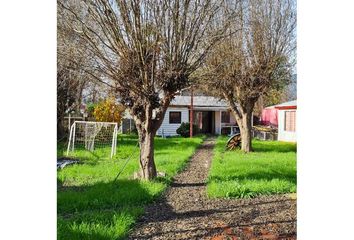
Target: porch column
(191, 116)
(220, 122)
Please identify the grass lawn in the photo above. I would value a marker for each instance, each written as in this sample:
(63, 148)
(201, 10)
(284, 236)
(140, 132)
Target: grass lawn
(91, 206)
(270, 169)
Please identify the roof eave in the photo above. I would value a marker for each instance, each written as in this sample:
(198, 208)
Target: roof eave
(286, 107)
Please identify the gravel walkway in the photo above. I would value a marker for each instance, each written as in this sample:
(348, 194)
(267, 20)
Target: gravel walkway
(184, 212)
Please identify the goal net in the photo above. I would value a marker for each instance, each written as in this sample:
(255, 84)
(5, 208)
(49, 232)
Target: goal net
(98, 139)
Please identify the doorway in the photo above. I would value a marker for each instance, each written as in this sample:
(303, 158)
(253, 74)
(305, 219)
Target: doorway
(204, 121)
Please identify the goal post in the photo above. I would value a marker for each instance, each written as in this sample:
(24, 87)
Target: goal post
(99, 138)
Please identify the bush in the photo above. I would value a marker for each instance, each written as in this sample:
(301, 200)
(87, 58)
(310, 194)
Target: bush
(108, 111)
(91, 109)
(183, 130)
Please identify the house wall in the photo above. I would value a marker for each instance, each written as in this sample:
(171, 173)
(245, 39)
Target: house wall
(169, 129)
(282, 134)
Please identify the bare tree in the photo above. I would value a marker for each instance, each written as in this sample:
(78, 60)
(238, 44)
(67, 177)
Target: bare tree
(71, 77)
(75, 84)
(146, 51)
(67, 91)
(254, 60)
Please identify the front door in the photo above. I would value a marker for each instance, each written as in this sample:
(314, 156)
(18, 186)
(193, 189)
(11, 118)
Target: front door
(206, 122)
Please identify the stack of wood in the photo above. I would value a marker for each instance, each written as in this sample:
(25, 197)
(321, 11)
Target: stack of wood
(265, 132)
(263, 128)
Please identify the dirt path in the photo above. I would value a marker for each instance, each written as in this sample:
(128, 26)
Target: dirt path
(184, 212)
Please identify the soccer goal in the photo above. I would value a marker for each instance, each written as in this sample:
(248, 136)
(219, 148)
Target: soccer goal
(99, 138)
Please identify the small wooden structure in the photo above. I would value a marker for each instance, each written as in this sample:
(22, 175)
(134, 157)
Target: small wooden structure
(234, 142)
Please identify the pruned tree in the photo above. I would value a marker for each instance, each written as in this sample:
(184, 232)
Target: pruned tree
(146, 51)
(254, 60)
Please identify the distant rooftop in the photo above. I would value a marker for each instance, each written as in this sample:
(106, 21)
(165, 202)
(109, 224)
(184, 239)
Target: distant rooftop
(202, 101)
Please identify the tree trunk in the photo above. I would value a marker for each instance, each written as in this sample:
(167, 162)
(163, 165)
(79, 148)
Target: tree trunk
(243, 116)
(147, 163)
(244, 121)
(60, 125)
(147, 127)
(246, 132)
(60, 128)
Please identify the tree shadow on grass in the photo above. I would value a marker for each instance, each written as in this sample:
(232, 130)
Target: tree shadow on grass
(100, 196)
(127, 140)
(274, 146)
(66, 231)
(100, 211)
(101, 151)
(130, 143)
(102, 224)
(289, 176)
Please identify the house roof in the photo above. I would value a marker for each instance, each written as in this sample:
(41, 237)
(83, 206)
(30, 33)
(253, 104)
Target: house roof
(290, 103)
(287, 105)
(201, 101)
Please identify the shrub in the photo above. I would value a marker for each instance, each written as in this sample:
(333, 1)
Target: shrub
(108, 111)
(90, 109)
(183, 130)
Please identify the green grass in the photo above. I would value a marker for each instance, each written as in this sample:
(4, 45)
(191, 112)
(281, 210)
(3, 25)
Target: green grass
(91, 206)
(270, 169)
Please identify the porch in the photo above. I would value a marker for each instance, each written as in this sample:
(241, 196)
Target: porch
(213, 120)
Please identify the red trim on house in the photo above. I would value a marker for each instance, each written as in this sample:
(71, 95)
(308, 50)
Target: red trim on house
(286, 107)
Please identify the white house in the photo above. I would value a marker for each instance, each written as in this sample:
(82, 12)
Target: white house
(287, 121)
(211, 115)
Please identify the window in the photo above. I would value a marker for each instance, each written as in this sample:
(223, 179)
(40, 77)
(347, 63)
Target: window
(175, 117)
(290, 121)
(225, 117)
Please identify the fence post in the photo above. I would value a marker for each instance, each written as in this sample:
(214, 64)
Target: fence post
(73, 144)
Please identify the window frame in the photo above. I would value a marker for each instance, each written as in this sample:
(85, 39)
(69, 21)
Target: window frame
(221, 119)
(180, 117)
(290, 129)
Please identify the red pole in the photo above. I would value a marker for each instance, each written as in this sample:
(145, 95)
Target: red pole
(191, 116)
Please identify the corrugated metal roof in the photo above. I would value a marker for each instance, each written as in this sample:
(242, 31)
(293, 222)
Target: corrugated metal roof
(202, 101)
(286, 104)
